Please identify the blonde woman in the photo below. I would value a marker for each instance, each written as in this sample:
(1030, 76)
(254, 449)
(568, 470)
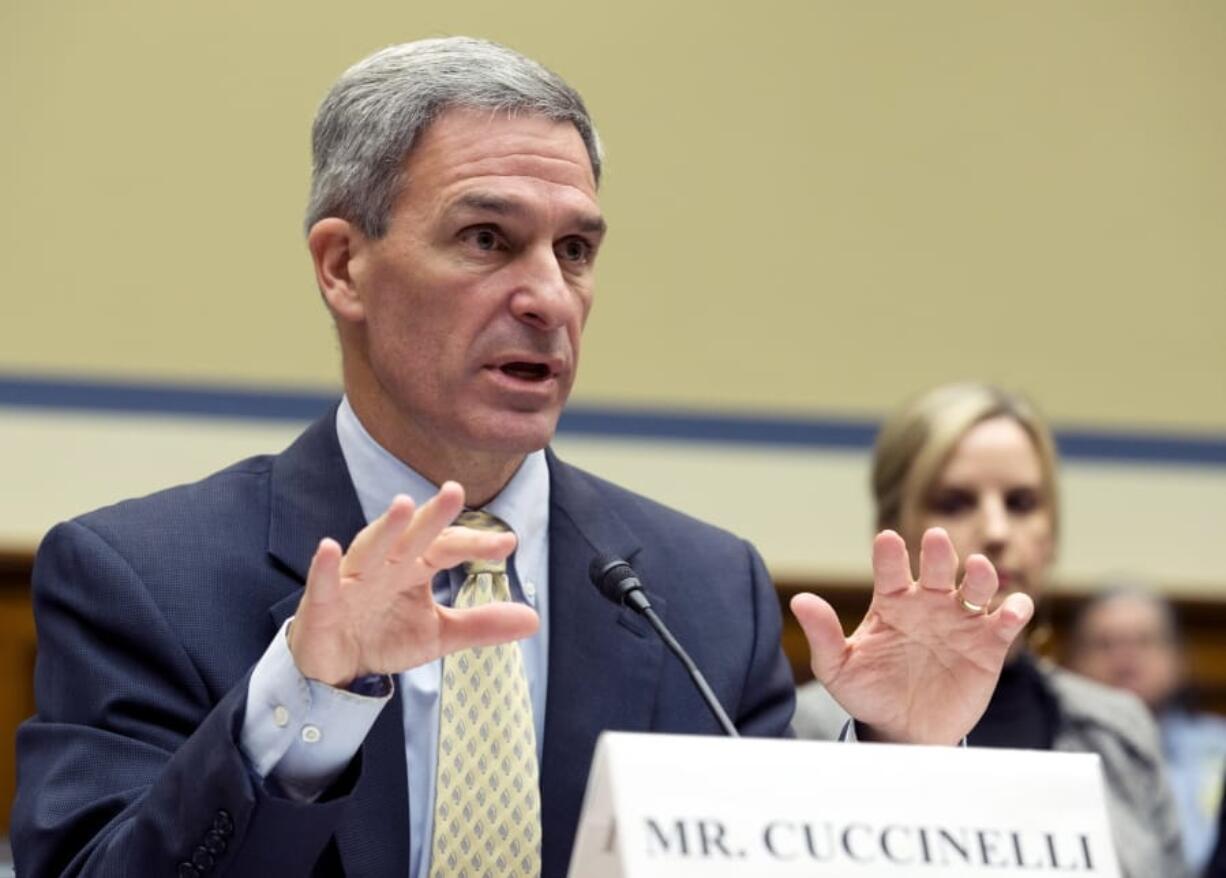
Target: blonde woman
(980, 463)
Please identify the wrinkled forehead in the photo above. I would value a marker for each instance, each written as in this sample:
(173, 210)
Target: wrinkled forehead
(469, 144)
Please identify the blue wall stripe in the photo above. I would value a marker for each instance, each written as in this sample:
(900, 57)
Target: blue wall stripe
(163, 399)
(579, 420)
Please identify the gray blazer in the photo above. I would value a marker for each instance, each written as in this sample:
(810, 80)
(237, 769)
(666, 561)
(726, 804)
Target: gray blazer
(1094, 719)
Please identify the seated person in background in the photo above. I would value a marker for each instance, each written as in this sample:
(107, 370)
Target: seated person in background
(980, 463)
(1129, 638)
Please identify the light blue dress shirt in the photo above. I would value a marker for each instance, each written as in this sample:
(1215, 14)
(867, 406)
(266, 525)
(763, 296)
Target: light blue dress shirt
(302, 733)
(1195, 748)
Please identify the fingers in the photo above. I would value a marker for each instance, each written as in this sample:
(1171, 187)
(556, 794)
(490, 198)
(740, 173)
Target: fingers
(486, 625)
(324, 577)
(456, 545)
(372, 543)
(891, 564)
(439, 545)
(980, 582)
(313, 642)
(938, 561)
(435, 516)
(402, 533)
(1013, 615)
(827, 645)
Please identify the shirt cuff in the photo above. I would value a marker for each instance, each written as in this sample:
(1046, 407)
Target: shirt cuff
(302, 733)
(849, 734)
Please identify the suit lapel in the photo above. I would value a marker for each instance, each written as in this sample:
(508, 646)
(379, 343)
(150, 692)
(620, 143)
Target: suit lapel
(603, 660)
(312, 497)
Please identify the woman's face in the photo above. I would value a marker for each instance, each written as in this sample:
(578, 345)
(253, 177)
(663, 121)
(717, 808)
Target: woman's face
(991, 500)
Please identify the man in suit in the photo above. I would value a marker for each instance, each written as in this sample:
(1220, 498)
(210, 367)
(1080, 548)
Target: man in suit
(245, 676)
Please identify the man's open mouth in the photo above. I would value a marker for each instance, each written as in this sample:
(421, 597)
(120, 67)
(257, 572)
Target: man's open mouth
(526, 371)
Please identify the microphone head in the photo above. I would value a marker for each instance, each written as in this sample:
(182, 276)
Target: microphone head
(613, 577)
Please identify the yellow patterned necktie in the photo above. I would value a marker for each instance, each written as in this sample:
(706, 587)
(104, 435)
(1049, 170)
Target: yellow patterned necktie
(487, 808)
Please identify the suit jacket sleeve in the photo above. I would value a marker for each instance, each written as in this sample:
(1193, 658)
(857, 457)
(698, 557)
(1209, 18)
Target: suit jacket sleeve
(769, 692)
(132, 764)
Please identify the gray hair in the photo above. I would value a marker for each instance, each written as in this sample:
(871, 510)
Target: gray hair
(375, 112)
(1126, 590)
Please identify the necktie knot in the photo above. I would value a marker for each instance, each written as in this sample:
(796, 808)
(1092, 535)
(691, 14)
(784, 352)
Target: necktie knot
(479, 519)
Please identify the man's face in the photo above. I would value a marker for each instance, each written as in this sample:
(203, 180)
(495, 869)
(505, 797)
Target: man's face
(474, 301)
(1126, 642)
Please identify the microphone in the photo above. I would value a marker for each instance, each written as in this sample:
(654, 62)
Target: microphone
(618, 582)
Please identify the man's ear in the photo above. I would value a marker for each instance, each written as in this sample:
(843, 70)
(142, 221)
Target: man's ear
(334, 244)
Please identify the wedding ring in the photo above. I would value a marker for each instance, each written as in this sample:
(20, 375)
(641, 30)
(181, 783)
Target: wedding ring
(972, 608)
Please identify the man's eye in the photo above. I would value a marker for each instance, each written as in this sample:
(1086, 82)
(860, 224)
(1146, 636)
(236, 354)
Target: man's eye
(482, 238)
(574, 250)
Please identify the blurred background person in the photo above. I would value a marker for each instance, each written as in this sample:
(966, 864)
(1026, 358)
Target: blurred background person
(980, 463)
(1129, 638)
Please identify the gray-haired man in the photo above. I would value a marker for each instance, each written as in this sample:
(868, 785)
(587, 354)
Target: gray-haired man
(187, 724)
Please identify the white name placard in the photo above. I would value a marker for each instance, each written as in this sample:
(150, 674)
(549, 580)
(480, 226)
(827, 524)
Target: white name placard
(677, 806)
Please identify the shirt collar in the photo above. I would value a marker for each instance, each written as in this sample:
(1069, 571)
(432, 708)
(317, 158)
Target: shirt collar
(378, 476)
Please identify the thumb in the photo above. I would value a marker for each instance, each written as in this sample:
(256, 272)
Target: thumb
(820, 623)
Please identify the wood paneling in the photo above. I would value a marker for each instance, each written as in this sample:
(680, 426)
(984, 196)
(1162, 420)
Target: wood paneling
(17, 650)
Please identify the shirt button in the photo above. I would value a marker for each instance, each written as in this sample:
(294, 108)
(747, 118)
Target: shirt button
(311, 734)
(280, 716)
(530, 591)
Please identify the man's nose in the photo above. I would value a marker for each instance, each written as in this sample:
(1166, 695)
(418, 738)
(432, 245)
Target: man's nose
(543, 297)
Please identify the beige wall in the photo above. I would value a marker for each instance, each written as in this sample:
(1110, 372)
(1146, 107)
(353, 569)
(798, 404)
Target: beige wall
(816, 207)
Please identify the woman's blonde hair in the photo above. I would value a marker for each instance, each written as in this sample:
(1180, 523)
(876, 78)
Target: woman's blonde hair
(917, 440)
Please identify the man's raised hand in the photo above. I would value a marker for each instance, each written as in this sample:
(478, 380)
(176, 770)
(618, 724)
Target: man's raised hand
(923, 663)
(371, 609)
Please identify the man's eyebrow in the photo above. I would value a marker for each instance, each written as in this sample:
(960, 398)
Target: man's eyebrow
(593, 225)
(484, 202)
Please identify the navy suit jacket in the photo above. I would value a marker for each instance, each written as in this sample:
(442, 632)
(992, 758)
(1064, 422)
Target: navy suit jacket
(152, 612)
